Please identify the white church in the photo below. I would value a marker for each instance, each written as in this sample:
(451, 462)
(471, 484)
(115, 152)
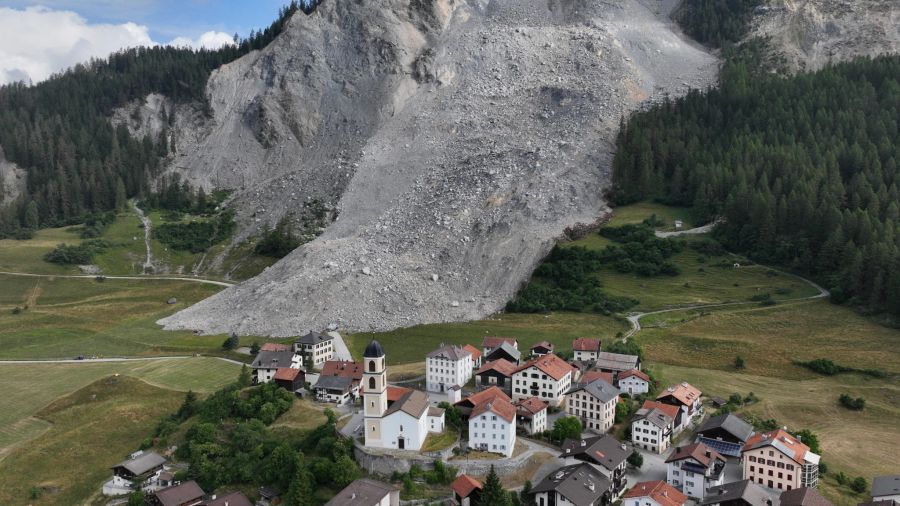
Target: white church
(404, 423)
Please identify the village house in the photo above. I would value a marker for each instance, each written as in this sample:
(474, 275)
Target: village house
(725, 434)
(275, 347)
(548, 377)
(350, 369)
(585, 349)
(694, 468)
(803, 497)
(739, 493)
(577, 484)
(633, 382)
(653, 493)
(886, 488)
(466, 490)
(267, 363)
(594, 404)
(505, 351)
(616, 362)
(436, 419)
(778, 460)
(653, 425)
(315, 348)
(491, 343)
(531, 415)
(447, 367)
(684, 396)
(290, 379)
(592, 376)
(139, 468)
(466, 405)
(476, 356)
(404, 424)
(185, 494)
(542, 348)
(366, 492)
(335, 389)
(496, 373)
(232, 499)
(605, 453)
(492, 427)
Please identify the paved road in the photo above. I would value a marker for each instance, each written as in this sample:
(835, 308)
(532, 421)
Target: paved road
(691, 231)
(94, 276)
(341, 352)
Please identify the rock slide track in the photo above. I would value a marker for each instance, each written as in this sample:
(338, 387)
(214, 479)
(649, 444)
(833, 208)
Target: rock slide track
(456, 139)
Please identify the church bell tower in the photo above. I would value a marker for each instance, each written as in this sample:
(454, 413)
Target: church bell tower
(375, 392)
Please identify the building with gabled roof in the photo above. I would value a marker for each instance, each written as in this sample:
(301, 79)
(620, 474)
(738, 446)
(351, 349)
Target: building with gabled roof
(447, 367)
(616, 362)
(591, 376)
(289, 379)
(492, 426)
(653, 493)
(505, 351)
(605, 453)
(725, 433)
(803, 497)
(578, 484)
(232, 499)
(491, 343)
(778, 460)
(531, 415)
(366, 492)
(466, 490)
(275, 347)
(652, 427)
(466, 405)
(315, 348)
(586, 349)
(476, 355)
(594, 404)
(496, 373)
(739, 493)
(185, 494)
(633, 382)
(886, 488)
(683, 395)
(336, 389)
(267, 363)
(548, 377)
(542, 348)
(694, 468)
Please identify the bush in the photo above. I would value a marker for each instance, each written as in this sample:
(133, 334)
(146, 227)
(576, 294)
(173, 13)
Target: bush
(739, 362)
(857, 404)
(80, 254)
(196, 236)
(636, 460)
(231, 343)
(16, 310)
(859, 485)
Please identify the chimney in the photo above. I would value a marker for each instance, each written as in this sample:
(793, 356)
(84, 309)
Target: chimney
(623, 446)
(583, 443)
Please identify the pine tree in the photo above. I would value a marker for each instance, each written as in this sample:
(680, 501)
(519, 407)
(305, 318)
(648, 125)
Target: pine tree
(493, 493)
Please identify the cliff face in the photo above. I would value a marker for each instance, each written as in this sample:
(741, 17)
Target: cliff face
(457, 140)
(813, 33)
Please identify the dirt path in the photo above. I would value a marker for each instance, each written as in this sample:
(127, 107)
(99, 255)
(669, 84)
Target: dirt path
(692, 231)
(88, 276)
(148, 225)
(117, 359)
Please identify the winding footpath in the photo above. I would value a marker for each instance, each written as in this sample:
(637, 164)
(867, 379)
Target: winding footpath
(116, 359)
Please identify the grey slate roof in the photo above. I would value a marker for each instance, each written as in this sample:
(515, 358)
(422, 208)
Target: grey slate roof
(886, 485)
(750, 492)
(508, 349)
(232, 499)
(314, 338)
(450, 352)
(373, 350)
(362, 492)
(179, 494)
(341, 383)
(272, 359)
(732, 424)
(142, 463)
(601, 390)
(616, 361)
(604, 450)
(413, 403)
(654, 416)
(581, 484)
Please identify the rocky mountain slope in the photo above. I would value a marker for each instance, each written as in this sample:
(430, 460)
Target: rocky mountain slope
(812, 33)
(458, 139)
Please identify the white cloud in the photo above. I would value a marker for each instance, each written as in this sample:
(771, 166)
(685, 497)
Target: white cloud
(36, 42)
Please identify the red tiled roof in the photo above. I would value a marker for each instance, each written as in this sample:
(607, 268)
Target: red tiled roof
(395, 393)
(698, 451)
(634, 372)
(498, 405)
(286, 373)
(531, 406)
(670, 410)
(786, 440)
(343, 368)
(549, 364)
(476, 353)
(586, 344)
(275, 347)
(495, 341)
(486, 395)
(684, 393)
(465, 485)
(660, 491)
(592, 376)
(501, 365)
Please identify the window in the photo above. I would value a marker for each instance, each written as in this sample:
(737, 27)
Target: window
(371, 366)
(372, 382)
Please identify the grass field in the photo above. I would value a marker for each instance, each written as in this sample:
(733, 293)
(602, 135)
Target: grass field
(411, 344)
(701, 350)
(636, 213)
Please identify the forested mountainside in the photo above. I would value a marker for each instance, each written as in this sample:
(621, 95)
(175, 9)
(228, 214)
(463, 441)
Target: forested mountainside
(75, 160)
(803, 169)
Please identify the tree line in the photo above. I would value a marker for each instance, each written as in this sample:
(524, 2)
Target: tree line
(803, 169)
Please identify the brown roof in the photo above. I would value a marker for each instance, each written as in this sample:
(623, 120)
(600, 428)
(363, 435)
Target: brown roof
(486, 395)
(476, 353)
(450, 352)
(180, 494)
(549, 364)
(275, 347)
(395, 393)
(501, 365)
(586, 344)
(592, 376)
(362, 492)
(465, 485)
(499, 406)
(494, 341)
(803, 497)
(531, 406)
(345, 368)
(781, 441)
(670, 410)
(634, 372)
(232, 499)
(413, 403)
(703, 454)
(543, 344)
(660, 491)
(684, 393)
(286, 374)
(433, 411)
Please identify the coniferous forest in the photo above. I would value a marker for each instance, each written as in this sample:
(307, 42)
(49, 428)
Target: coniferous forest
(716, 22)
(803, 170)
(77, 163)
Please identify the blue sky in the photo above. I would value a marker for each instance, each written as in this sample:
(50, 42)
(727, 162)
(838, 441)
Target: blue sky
(168, 19)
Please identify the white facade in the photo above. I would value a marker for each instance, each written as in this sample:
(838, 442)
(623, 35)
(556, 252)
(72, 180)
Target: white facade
(595, 415)
(394, 428)
(634, 385)
(447, 367)
(436, 422)
(400, 425)
(319, 352)
(537, 423)
(491, 432)
(533, 382)
(640, 501)
(651, 437)
(586, 356)
(688, 481)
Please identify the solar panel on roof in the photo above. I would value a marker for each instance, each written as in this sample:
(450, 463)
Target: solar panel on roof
(723, 447)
